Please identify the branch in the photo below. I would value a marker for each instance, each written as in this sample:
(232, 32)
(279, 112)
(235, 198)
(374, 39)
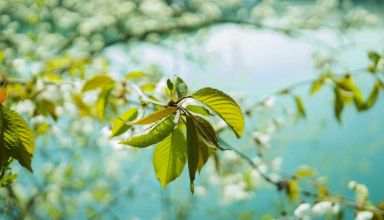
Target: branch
(280, 185)
(302, 83)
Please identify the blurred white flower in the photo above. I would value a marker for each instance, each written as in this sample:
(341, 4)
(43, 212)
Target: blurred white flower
(336, 208)
(38, 120)
(269, 102)
(51, 93)
(200, 191)
(25, 107)
(364, 215)
(230, 156)
(322, 208)
(106, 132)
(155, 8)
(256, 178)
(303, 211)
(361, 191)
(276, 164)
(261, 138)
(234, 192)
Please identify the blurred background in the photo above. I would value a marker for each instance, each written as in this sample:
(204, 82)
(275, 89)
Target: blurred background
(249, 49)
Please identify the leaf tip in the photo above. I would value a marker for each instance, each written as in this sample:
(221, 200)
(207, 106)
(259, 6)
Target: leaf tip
(192, 187)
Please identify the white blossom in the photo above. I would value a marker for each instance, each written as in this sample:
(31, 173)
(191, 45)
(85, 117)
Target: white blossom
(364, 215)
(25, 107)
(200, 191)
(322, 208)
(303, 211)
(234, 192)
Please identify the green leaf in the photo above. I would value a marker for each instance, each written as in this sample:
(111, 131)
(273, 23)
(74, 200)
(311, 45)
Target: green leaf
(347, 84)
(373, 95)
(97, 82)
(192, 151)
(374, 56)
(84, 108)
(198, 110)
(293, 190)
(304, 171)
(16, 139)
(156, 116)
(205, 151)
(134, 75)
(169, 85)
(169, 157)
(46, 107)
(181, 87)
(102, 101)
(339, 104)
(153, 134)
(119, 127)
(206, 131)
(300, 107)
(316, 86)
(224, 106)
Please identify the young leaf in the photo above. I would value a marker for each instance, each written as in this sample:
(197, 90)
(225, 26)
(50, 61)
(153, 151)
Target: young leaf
(373, 96)
(198, 110)
(102, 101)
(293, 190)
(347, 84)
(181, 87)
(153, 134)
(156, 116)
(169, 85)
(16, 139)
(316, 86)
(206, 131)
(300, 107)
(304, 171)
(374, 56)
(84, 108)
(192, 151)
(134, 75)
(97, 82)
(119, 126)
(169, 157)
(204, 153)
(339, 104)
(47, 107)
(224, 106)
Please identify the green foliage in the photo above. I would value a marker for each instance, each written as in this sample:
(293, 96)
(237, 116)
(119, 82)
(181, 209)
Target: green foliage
(206, 131)
(300, 107)
(339, 103)
(16, 139)
(375, 58)
(198, 109)
(153, 134)
(316, 86)
(192, 151)
(304, 172)
(98, 82)
(168, 125)
(102, 101)
(224, 106)
(119, 124)
(169, 157)
(181, 87)
(156, 116)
